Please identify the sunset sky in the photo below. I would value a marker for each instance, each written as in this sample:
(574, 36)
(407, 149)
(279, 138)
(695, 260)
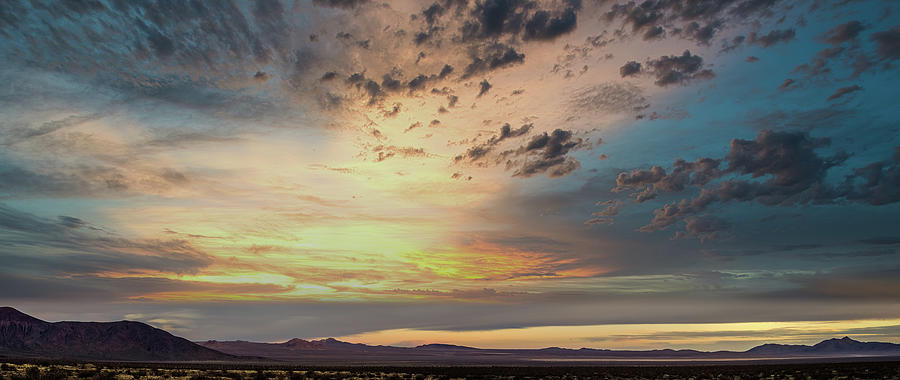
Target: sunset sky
(711, 174)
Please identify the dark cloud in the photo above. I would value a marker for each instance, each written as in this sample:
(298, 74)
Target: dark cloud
(630, 68)
(888, 43)
(881, 240)
(877, 183)
(544, 26)
(705, 228)
(653, 33)
(702, 34)
(794, 174)
(787, 84)
(70, 246)
(772, 38)
(161, 45)
(491, 57)
(547, 153)
(344, 4)
(844, 32)
(484, 87)
(329, 76)
(698, 21)
(673, 69)
(735, 43)
(490, 19)
(844, 91)
(479, 151)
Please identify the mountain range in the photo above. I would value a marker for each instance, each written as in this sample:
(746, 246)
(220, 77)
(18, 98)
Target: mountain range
(23, 336)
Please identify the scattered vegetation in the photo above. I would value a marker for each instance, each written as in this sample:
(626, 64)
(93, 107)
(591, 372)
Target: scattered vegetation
(172, 371)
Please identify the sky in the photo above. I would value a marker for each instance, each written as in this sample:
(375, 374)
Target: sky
(498, 173)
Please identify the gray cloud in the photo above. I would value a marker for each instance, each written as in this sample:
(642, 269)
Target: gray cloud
(844, 32)
(490, 57)
(70, 246)
(772, 38)
(844, 91)
(795, 175)
(630, 68)
(547, 153)
(480, 151)
(888, 43)
(345, 4)
(673, 69)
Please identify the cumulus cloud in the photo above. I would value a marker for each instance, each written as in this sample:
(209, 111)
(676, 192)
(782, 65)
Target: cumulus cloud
(696, 21)
(547, 153)
(793, 171)
(673, 69)
(491, 57)
(630, 68)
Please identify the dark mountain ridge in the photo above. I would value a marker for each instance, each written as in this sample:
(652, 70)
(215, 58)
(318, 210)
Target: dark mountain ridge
(22, 335)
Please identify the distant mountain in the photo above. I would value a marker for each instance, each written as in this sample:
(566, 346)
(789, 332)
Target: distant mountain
(830, 347)
(333, 351)
(22, 335)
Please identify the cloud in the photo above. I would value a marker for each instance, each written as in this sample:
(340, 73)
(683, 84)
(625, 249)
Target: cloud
(705, 228)
(70, 246)
(490, 57)
(844, 91)
(547, 153)
(384, 152)
(630, 68)
(343, 4)
(844, 32)
(485, 86)
(607, 98)
(673, 69)
(772, 38)
(544, 26)
(877, 183)
(888, 43)
(493, 18)
(794, 174)
(480, 151)
(696, 21)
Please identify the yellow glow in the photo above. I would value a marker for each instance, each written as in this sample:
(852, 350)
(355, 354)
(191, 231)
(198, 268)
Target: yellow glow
(707, 336)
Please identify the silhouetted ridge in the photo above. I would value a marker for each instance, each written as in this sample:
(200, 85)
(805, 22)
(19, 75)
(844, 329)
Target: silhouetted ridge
(24, 336)
(442, 346)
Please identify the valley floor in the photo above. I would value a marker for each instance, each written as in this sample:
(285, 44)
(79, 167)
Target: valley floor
(230, 371)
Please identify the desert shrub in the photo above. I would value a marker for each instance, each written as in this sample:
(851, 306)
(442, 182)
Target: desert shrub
(105, 375)
(87, 373)
(55, 373)
(7, 367)
(33, 373)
